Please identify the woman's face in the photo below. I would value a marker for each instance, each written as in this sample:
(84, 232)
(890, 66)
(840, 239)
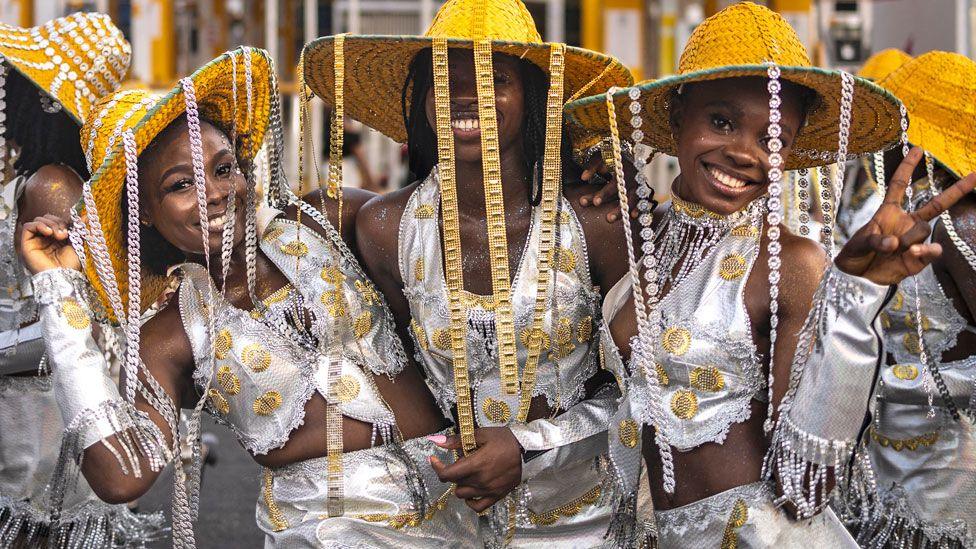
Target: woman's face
(168, 194)
(720, 128)
(509, 104)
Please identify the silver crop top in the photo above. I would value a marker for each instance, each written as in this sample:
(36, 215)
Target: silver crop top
(261, 380)
(569, 355)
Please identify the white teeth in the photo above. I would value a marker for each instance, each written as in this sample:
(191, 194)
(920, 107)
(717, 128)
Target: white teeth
(217, 221)
(466, 124)
(727, 179)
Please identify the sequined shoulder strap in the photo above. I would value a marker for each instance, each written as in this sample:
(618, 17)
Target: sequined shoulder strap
(418, 224)
(192, 294)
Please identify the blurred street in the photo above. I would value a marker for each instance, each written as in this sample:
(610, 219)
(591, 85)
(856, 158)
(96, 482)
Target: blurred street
(227, 498)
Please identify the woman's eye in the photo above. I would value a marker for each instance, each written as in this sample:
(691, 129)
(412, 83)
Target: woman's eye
(181, 184)
(224, 170)
(501, 78)
(721, 123)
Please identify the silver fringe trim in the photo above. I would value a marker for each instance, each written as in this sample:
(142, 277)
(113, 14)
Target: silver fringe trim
(94, 526)
(135, 435)
(801, 463)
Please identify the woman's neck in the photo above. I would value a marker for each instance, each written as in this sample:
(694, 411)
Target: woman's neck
(516, 183)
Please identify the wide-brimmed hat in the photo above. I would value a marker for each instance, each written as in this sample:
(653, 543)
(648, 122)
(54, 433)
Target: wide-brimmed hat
(75, 59)
(221, 94)
(883, 63)
(741, 41)
(939, 91)
(376, 67)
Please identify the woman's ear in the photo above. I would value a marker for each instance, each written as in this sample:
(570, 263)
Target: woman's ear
(675, 112)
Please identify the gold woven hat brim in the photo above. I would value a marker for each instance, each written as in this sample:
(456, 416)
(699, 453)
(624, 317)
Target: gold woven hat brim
(377, 67)
(875, 116)
(74, 59)
(939, 91)
(216, 101)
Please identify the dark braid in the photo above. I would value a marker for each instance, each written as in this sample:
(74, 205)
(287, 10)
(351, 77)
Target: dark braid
(422, 141)
(43, 138)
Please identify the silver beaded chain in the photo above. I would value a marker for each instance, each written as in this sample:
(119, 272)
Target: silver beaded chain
(132, 324)
(879, 173)
(648, 315)
(805, 200)
(843, 139)
(774, 217)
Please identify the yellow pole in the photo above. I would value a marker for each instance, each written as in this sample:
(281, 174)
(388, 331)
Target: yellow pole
(591, 26)
(26, 12)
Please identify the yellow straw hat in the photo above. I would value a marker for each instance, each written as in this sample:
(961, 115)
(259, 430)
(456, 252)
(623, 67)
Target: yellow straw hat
(740, 41)
(221, 96)
(376, 67)
(939, 91)
(74, 59)
(883, 63)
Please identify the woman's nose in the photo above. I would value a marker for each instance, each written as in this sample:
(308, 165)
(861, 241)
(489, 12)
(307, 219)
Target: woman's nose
(742, 153)
(217, 191)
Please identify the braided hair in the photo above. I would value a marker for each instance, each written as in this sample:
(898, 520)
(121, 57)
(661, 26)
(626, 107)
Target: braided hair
(43, 138)
(422, 141)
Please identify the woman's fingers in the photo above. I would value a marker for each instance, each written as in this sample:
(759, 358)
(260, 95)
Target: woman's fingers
(918, 233)
(947, 198)
(919, 256)
(902, 177)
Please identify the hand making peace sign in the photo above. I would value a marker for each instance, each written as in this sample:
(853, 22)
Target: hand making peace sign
(892, 245)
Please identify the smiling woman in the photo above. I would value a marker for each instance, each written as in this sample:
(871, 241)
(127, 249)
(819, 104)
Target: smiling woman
(739, 344)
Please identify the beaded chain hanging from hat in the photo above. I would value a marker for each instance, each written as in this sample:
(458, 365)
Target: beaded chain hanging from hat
(648, 315)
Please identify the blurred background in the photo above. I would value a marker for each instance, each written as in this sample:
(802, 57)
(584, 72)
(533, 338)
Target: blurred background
(170, 38)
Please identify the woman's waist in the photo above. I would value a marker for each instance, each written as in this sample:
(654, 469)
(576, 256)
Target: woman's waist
(710, 468)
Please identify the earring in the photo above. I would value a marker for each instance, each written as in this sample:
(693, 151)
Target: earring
(145, 223)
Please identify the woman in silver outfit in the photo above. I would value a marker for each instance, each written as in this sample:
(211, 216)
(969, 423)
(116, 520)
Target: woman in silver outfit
(922, 441)
(274, 330)
(745, 357)
(50, 76)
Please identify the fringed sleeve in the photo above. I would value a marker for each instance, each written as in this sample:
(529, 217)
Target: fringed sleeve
(91, 406)
(825, 407)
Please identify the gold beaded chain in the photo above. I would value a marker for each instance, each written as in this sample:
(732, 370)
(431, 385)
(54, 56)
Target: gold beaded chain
(495, 213)
(551, 191)
(334, 189)
(452, 244)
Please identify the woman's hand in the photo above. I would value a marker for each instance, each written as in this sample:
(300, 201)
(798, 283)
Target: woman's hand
(486, 475)
(892, 245)
(44, 245)
(597, 171)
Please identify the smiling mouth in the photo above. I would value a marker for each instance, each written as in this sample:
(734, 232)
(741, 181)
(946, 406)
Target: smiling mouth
(466, 124)
(216, 222)
(724, 180)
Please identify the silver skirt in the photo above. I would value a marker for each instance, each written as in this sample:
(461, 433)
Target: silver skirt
(380, 503)
(30, 438)
(745, 517)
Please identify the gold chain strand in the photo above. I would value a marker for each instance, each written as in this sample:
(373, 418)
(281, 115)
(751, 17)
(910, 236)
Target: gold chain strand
(452, 244)
(302, 110)
(334, 189)
(495, 212)
(551, 191)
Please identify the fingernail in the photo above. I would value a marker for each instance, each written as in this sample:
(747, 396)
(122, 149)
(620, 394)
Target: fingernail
(437, 439)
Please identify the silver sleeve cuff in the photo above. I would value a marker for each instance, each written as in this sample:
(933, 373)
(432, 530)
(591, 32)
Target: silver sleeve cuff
(824, 409)
(80, 375)
(577, 434)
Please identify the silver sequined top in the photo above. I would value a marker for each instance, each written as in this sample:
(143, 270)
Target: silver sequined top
(569, 355)
(708, 365)
(261, 379)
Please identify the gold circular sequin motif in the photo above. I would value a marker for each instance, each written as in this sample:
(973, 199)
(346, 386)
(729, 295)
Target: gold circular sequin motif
(585, 330)
(296, 248)
(74, 314)
(898, 301)
(420, 334)
(544, 341)
(346, 388)
(223, 344)
(707, 378)
(333, 275)
(885, 320)
(272, 234)
(497, 411)
(566, 259)
(256, 357)
(424, 211)
(628, 433)
(230, 383)
(218, 401)
(910, 341)
(733, 266)
(907, 372)
(662, 375)
(745, 231)
(910, 322)
(363, 324)
(684, 404)
(676, 340)
(267, 403)
(442, 339)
